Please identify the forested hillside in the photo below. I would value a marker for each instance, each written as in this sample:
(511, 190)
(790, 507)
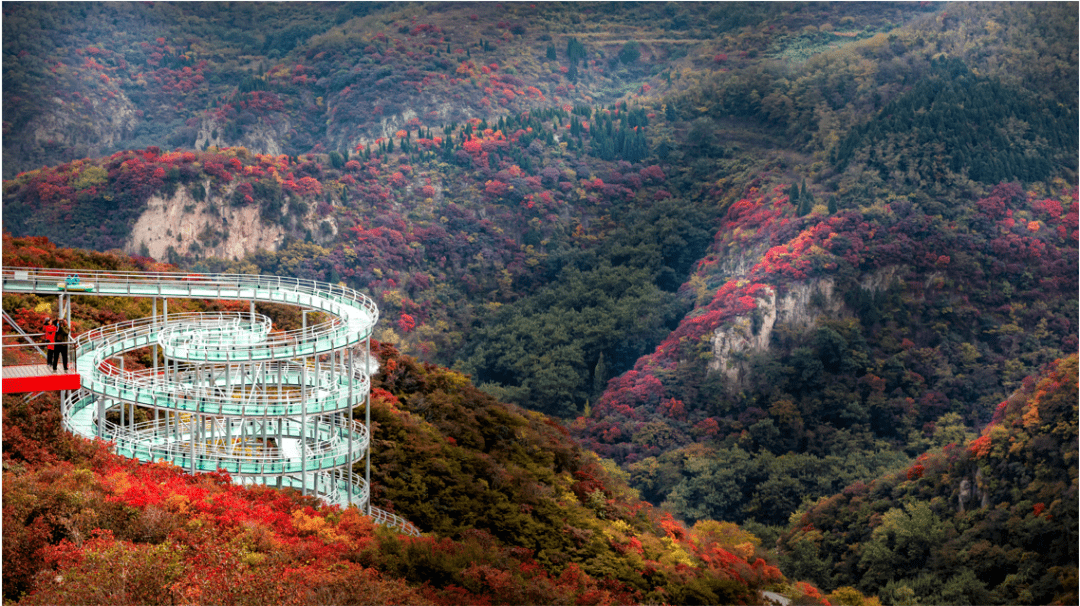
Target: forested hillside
(301, 78)
(987, 521)
(853, 340)
(751, 254)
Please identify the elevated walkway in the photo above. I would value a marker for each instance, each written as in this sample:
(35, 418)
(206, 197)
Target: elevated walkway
(225, 390)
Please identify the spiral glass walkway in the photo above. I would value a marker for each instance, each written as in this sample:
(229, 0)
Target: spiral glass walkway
(225, 391)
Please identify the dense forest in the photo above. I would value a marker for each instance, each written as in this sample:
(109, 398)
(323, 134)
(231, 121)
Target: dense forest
(986, 522)
(750, 258)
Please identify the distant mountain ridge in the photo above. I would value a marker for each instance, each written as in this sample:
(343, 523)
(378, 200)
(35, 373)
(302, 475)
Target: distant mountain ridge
(301, 78)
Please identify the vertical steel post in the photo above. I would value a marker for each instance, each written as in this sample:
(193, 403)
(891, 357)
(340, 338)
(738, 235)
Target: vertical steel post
(367, 420)
(164, 322)
(191, 435)
(303, 428)
(154, 356)
(101, 418)
(265, 447)
(351, 376)
(280, 432)
(123, 404)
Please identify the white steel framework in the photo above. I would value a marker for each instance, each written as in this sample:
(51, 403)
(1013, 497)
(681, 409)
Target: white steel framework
(225, 391)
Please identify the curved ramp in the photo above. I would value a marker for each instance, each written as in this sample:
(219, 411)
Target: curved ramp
(225, 390)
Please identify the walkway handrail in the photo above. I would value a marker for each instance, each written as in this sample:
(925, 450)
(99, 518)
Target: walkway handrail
(328, 387)
(357, 311)
(35, 344)
(331, 451)
(391, 520)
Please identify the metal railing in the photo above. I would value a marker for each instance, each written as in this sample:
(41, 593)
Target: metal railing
(272, 387)
(334, 299)
(332, 487)
(325, 443)
(390, 520)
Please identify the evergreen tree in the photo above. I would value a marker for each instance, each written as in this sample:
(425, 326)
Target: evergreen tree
(805, 206)
(575, 51)
(599, 376)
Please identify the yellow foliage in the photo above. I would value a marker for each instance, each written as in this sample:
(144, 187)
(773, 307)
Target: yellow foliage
(313, 525)
(568, 497)
(387, 335)
(743, 550)
(1031, 417)
(849, 596)
(725, 534)
(93, 176)
(675, 554)
(119, 481)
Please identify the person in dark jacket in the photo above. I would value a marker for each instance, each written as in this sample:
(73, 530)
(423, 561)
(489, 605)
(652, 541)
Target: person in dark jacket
(62, 337)
(50, 336)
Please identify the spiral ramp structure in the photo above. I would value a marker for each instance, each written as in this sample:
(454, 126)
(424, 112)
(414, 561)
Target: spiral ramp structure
(225, 391)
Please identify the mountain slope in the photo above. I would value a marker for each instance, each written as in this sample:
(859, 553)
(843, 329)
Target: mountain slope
(839, 339)
(515, 512)
(855, 223)
(303, 78)
(992, 521)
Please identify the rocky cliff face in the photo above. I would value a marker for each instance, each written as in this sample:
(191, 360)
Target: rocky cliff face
(799, 307)
(974, 492)
(60, 131)
(265, 136)
(208, 228)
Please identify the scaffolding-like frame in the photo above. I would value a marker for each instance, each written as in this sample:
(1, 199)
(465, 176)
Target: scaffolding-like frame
(225, 391)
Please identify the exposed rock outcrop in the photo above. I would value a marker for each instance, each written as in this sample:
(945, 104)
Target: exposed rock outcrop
(800, 307)
(264, 136)
(208, 228)
(973, 493)
(59, 131)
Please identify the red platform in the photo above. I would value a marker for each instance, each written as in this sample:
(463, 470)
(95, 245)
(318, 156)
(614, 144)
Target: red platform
(38, 377)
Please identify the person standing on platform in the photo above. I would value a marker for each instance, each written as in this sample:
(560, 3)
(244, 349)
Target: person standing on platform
(62, 337)
(50, 336)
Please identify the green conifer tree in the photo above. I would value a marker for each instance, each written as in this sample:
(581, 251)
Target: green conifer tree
(599, 376)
